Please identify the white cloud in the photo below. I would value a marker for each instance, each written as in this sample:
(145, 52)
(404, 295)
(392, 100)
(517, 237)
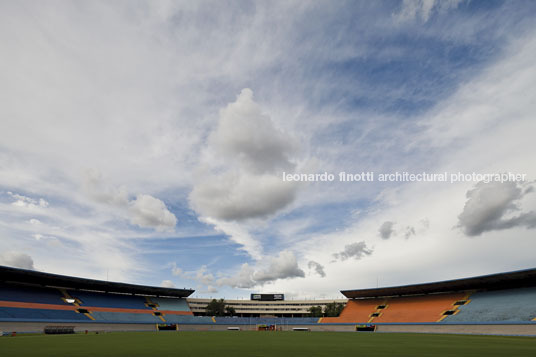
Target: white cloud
(176, 270)
(238, 233)
(499, 103)
(490, 207)
(281, 267)
(211, 289)
(151, 212)
(386, 229)
(135, 112)
(241, 172)
(247, 135)
(201, 275)
(243, 279)
(28, 202)
(142, 112)
(254, 154)
(410, 231)
(206, 289)
(356, 250)
(167, 284)
(318, 268)
(144, 211)
(486, 126)
(38, 236)
(65, 237)
(17, 260)
(237, 196)
(423, 9)
(97, 190)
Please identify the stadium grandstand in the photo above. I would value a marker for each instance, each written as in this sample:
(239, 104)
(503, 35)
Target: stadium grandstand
(258, 308)
(499, 303)
(505, 303)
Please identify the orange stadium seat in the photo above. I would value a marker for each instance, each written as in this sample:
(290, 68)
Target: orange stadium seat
(427, 308)
(356, 311)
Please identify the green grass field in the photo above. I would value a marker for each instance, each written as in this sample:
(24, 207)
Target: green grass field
(273, 344)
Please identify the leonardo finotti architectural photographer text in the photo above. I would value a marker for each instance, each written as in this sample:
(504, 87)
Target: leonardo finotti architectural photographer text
(370, 176)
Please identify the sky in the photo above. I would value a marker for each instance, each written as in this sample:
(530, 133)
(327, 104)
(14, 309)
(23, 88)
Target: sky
(157, 142)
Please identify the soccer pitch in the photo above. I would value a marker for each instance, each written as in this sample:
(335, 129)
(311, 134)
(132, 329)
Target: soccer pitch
(270, 344)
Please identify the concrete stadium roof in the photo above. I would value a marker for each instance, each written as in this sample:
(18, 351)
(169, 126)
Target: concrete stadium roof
(508, 280)
(23, 276)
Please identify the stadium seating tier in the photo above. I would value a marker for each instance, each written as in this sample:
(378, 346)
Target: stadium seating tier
(498, 306)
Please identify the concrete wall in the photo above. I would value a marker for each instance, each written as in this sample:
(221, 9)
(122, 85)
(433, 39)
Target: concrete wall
(528, 329)
(316, 327)
(78, 327)
(464, 329)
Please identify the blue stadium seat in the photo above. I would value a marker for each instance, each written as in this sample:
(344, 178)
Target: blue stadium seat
(89, 298)
(513, 305)
(171, 304)
(31, 294)
(116, 317)
(22, 314)
(188, 319)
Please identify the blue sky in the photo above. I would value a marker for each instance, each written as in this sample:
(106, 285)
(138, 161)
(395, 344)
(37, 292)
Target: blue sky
(146, 141)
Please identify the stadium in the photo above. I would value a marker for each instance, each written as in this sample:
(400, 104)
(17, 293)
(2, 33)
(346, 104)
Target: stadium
(267, 178)
(41, 303)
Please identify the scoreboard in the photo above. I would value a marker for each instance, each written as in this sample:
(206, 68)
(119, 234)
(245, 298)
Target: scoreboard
(268, 297)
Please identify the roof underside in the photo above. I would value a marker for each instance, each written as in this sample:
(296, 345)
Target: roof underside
(23, 276)
(509, 280)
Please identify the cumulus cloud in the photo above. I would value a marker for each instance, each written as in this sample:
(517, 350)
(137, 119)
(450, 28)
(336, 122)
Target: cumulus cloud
(247, 135)
(167, 284)
(144, 211)
(247, 184)
(200, 289)
(386, 229)
(425, 222)
(24, 201)
(200, 275)
(17, 260)
(243, 279)
(410, 231)
(176, 270)
(318, 268)
(283, 266)
(211, 289)
(356, 250)
(98, 191)
(239, 196)
(241, 172)
(203, 276)
(423, 9)
(239, 234)
(151, 212)
(490, 206)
